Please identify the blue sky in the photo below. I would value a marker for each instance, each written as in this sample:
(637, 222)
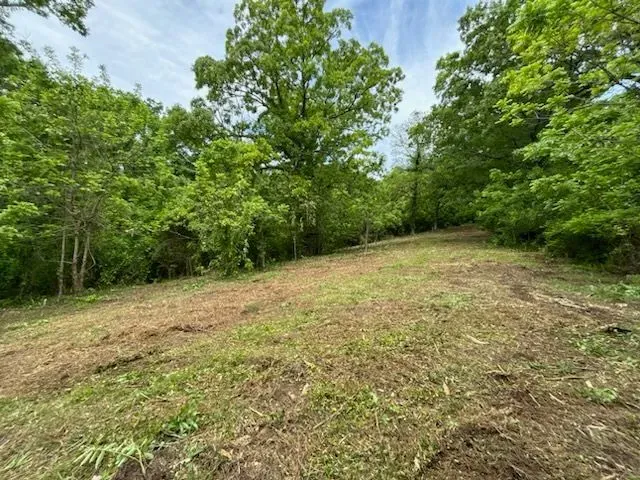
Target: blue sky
(155, 42)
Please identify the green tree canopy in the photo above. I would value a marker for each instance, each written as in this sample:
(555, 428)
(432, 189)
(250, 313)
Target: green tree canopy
(314, 95)
(70, 12)
(290, 77)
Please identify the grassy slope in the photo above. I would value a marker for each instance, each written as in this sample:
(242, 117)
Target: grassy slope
(435, 356)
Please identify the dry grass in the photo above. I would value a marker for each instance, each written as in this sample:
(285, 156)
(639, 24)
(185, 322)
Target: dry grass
(435, 356)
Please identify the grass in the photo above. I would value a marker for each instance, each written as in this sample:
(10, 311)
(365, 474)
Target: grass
(435, 356)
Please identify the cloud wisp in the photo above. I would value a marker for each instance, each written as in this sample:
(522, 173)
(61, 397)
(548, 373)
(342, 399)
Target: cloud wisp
(155, 43)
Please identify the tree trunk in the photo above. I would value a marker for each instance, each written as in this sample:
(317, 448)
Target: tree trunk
(74, 260)
(85, 258)
(366, 236)
(295, 247)
(263, 254)
(63, 251)
(294, 237)
(414, 194)
(414, 207)
(262, 248)
(414, 204)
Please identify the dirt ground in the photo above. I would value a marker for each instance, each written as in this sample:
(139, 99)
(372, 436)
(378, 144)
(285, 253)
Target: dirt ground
(436, 356)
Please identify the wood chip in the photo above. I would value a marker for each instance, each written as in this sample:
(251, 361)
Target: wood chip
(305, 389)
(225, 454)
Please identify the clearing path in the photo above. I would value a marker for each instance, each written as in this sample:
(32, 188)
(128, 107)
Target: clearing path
(436, 356)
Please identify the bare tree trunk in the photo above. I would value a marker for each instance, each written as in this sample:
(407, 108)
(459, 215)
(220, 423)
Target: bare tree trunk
(366, 236)
(74, 259)
(263, 254)
(414, 214)
(414, 204)
(294, 237)
(295, 246)
(414, 194)
(63, 251)
(263, 261)
(85, 258)
(262, 248)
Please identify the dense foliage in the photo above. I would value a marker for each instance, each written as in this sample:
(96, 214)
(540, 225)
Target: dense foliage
(535, 136)
(100, 186)
(536, 132)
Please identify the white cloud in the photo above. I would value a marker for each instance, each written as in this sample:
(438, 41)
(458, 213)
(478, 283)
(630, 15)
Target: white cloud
(155, 43)
(151, 43)
(414, 33)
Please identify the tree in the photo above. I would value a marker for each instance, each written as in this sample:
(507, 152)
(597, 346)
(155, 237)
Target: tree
(290, 77)
(410, 152)
(377, 209)
(70, 12)
(96, 133)
(188, 132)
(74, 153)
(463, 134)
(28, 180)
(578, 69)
(229, 210)
(571, 51)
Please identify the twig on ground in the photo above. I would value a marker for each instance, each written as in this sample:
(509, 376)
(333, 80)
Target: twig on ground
(475, 340)
(553, 397)
(329, 418)
(534, 399)
(257, 412)
(559, 379)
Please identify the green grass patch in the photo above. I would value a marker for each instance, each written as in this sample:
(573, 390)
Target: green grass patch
(623, 349)
(595, 283)
(603, 396)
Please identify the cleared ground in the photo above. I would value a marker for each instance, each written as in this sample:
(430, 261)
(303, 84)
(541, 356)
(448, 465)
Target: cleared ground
(436, 356)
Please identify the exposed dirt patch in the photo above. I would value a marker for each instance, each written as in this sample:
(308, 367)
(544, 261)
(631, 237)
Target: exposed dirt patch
(54, 354)
(162, 466)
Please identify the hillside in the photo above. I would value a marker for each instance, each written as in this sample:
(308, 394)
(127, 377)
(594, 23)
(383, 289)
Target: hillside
(433, 356)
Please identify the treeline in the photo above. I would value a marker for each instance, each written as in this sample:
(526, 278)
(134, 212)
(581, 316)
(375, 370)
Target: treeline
(536, 135)
(100, 186)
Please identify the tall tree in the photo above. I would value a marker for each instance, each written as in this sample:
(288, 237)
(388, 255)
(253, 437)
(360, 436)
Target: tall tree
(463, 133)
(289, 76)
(410, 152)
(571, 51)
(70, 147)
(577, 187)
(229, 210)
